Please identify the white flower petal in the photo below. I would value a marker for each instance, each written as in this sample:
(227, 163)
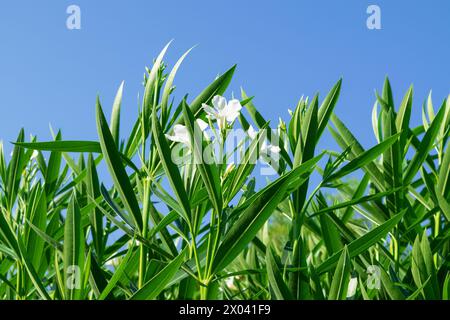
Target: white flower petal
(180, 130)
(264, 147)
(219, 102)
(269, 152)
(252, 133)
(232, 110)
(352, 285)
(175, 138)
(180, 134)
(202, 124)
(229, 282)
(210, 111)
(274, 149)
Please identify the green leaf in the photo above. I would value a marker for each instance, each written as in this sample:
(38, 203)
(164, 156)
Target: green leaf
(169, 82)
(330, 235)
(363, 243)
(118, 274)
(341, 277)
(327, 107)
(152, 79)
(443, 182)
(446, 288)
(73, 250)
(73, 146)
(8, 237)
(364, 158)
(208, 172)
(63, 146)
(416, 293)
(404, 115)
(346, 139)
(35, 279)
(37, 216)
(158, 283)
(113, 160)
(52, 172)
(217, 87)
(172, 173)
(256, 210)
(353, 202)
(248, 224)
(96, 218)
(444, 205)
(15, 168)
(115, 115)
(392, 290)
(424, 148)
(422, 268)
(277, 284)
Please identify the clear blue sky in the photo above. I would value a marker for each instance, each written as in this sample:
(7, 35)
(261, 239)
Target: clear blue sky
(49, 74)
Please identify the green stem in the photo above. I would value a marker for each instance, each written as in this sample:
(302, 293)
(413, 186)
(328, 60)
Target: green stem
(142, 248)
(204, 292)
(142, 265)
(197, 260)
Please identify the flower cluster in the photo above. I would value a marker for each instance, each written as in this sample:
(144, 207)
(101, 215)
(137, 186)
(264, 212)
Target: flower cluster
(224, 113)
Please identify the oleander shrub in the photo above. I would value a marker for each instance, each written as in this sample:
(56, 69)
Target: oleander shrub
(178, 219)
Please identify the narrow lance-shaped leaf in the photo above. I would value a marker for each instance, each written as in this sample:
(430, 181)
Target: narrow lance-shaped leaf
(392, 157)
(363, 243)
(327, 107)
(209, 172)
(392, 290)
(341, 277)
(305, 151)
(158, 283)
(217, 87)
(118, 274)
(73, 250)
(422, 268)
(93, 189)
(424, 147)
(258, 209)
(152, 78)
(115, 115)
(173, 175)
(116, 169)
(14, 172)
(346, 139)
(34, 244)
(275, 275)
(52, 173)
(169, 81)
(364, 158)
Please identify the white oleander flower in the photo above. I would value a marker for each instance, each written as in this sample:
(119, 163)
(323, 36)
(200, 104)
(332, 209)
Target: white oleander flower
(114, 262)
(252, 133)
(222, 111)
(229, 282)
(270, 152)
(353, 283)
(181, 133)
(267, 150)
